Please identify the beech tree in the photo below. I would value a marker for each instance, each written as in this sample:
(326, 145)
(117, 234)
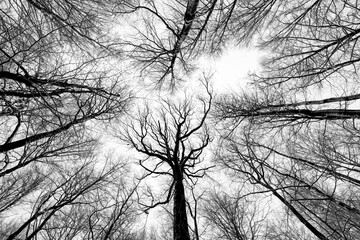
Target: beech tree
(172, 138)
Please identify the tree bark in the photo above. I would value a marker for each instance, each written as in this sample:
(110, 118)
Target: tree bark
(181, 230)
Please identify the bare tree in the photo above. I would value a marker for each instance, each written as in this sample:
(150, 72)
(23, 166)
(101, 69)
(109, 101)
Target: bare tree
(310, 183)
(198, 228)
(310, 72)
(294, 130)
(294, 133)
(172, 139)
(83, 201)
(234, 217)
(173, 34)
(48, 85)
(57, 77)
(107, 212)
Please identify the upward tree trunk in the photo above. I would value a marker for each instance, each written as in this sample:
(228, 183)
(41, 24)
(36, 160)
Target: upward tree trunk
(181, 230)
(303, 220)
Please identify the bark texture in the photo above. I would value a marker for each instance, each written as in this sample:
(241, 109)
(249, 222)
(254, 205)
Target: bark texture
(181, 230)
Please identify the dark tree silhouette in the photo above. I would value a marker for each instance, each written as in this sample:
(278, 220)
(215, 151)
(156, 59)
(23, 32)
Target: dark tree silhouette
(172, 139)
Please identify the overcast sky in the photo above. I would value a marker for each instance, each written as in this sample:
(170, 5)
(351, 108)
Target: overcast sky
(232, 67)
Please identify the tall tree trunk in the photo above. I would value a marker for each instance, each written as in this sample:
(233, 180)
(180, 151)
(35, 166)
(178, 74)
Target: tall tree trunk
(299, 216)
(181, 230)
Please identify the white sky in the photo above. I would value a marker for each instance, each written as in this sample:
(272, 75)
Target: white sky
(231, 68)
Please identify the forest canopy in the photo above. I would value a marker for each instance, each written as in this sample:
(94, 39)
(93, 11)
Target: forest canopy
(111, 127)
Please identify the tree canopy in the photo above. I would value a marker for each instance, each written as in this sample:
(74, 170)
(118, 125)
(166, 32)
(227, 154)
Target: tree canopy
(73, 76)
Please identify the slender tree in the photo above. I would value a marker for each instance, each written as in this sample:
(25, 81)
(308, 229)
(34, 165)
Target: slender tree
(84, 201)
(234, 217)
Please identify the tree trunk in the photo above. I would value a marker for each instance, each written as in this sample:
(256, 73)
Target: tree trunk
(181, 230)
(299, 216)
